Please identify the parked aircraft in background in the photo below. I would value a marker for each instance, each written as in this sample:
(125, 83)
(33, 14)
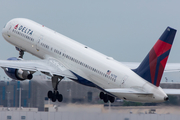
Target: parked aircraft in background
(63, 57)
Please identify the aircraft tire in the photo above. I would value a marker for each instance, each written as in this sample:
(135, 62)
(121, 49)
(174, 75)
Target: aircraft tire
(57, 93)
(50, 94)
(101, 95)
(59, 97)
(111, 99)
(105, 99)
(53, 98)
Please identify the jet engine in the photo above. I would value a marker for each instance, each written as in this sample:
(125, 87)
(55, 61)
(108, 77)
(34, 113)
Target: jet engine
(17, 74)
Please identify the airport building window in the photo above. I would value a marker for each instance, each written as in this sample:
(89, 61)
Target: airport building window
(8, 117)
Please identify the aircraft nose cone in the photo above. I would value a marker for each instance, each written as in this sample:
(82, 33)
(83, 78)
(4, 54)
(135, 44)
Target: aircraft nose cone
(4, 32)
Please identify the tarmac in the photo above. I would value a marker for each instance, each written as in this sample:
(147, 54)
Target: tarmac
(93, 112)
(121, 109)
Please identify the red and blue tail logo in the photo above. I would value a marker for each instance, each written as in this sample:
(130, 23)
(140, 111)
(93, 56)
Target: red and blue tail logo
(152, 67)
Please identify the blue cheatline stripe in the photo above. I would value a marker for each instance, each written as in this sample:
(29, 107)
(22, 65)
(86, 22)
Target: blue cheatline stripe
(83, 81)
(29, 92)
(14, 101)
(86, 82)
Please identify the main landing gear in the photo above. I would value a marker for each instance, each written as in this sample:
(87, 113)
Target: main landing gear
(106, 97)
(54, 95)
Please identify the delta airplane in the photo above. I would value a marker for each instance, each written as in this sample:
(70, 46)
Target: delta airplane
(62, 57)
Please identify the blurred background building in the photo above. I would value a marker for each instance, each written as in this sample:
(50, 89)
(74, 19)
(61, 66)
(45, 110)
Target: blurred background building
(33, 93)
(22, 100)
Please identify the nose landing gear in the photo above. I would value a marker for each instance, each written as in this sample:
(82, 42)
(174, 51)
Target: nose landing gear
(21, 52)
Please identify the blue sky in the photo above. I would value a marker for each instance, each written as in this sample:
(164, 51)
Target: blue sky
(124, 30)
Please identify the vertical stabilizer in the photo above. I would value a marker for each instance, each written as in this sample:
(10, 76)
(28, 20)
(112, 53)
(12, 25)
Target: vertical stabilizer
(152, 67)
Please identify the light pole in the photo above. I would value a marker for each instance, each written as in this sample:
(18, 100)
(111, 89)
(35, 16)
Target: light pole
(8, 98)
(19, 97)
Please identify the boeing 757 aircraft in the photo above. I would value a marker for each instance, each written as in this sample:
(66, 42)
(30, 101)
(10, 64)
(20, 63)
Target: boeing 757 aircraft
(63, 57)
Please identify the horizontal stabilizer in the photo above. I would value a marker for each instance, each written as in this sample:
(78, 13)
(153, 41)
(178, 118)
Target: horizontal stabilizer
(172, 91)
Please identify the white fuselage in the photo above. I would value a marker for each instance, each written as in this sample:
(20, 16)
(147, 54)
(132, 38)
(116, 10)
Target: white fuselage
(91, 65)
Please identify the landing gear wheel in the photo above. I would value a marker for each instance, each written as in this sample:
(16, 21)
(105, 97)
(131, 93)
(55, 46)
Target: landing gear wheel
(55, 95)
(101, 95)
(59, 97)
(50, 94)
(53, 98)
(105, 99)
(111, 99)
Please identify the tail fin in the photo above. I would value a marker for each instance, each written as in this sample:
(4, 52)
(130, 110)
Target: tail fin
(152, 67)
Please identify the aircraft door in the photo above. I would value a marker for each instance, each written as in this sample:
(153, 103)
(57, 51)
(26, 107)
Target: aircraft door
(39, 40)
(122, 82)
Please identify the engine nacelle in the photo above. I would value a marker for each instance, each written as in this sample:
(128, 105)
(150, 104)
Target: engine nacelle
(17, 74)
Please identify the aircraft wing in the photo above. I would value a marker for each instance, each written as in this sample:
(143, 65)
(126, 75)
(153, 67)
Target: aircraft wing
(50, 66)
(170, 67)
(127, 91)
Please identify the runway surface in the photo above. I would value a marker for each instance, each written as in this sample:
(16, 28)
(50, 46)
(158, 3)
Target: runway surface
(95, 112)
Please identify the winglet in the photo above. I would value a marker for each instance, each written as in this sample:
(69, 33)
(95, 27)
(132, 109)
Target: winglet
(152, 67)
